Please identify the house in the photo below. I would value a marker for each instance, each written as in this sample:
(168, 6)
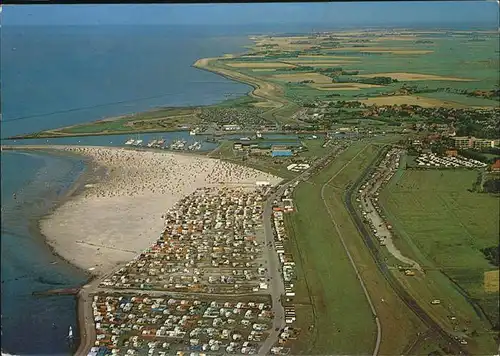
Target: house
(451, 153)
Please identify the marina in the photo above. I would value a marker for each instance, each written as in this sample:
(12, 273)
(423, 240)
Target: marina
(161, 143)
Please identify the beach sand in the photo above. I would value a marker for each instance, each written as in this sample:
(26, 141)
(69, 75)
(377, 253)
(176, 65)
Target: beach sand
(116, 218)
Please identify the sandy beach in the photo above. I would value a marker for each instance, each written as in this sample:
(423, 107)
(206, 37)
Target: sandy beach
(121, 214)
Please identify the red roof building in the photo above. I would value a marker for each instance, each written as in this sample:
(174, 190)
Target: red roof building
(495, 167)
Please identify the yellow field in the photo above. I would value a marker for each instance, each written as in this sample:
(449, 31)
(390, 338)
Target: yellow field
(260, 65)
(264, 104)
(325, 57)
(298, 77)
(343, 86)
(409, 100)
(396, 38)
(414, 76)
(319, 63)
(263, 70)
(491, 281)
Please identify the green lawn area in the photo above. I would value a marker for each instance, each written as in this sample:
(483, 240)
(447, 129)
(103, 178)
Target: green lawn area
(315, 147)
(444, 226)
(341, 310)
(161, 120)
(328, 294)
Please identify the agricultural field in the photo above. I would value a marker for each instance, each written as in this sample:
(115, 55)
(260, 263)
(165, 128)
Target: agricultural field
(424, 102)
(298, 77)
(444, 225)
(407, 77)
(344, 86)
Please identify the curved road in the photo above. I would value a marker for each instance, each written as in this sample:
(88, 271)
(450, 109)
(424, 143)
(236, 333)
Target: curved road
(410, 302)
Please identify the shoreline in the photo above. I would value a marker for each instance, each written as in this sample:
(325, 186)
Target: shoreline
(70, 192)
(197, 171)
(94, 175)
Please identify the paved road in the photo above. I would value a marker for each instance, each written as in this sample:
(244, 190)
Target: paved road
(277, 283)
(367, 199)
(360, 279)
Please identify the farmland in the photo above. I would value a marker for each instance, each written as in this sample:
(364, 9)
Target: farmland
(415, 76)
(288, 71)
(445, 226)
(424, 102)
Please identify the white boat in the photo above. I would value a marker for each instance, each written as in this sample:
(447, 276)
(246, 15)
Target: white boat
(70, 333)
(130, 142)
(152, 143)
(195, 146)
(245, 139)
(259, 135)
(192, 133)
(137, 143)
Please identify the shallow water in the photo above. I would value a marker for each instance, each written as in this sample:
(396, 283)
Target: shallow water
(87, 73)
(27, 262)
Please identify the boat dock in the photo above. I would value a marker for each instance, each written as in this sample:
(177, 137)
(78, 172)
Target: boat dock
(52, 292)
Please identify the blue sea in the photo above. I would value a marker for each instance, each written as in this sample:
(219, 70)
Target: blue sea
(55, 76)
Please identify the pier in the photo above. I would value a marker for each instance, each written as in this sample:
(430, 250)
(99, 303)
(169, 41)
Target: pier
(52, 292)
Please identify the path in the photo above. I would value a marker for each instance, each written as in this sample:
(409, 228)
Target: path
(365, 291)
(382, 232)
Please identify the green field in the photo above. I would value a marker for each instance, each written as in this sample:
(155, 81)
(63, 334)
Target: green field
(328, 294)
(444, 226)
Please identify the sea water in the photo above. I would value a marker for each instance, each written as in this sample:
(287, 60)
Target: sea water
(34, 325)
(56, 76)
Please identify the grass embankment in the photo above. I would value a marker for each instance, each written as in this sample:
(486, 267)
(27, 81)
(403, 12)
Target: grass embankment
(161, 120)
(328, 294)
(269, 94)
(443, 226)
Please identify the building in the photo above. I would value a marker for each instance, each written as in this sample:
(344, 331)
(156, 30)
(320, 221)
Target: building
(472, 142)
(231, 127)
(281, 153)
(495, 167)
(483, 143)
(462, 142)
